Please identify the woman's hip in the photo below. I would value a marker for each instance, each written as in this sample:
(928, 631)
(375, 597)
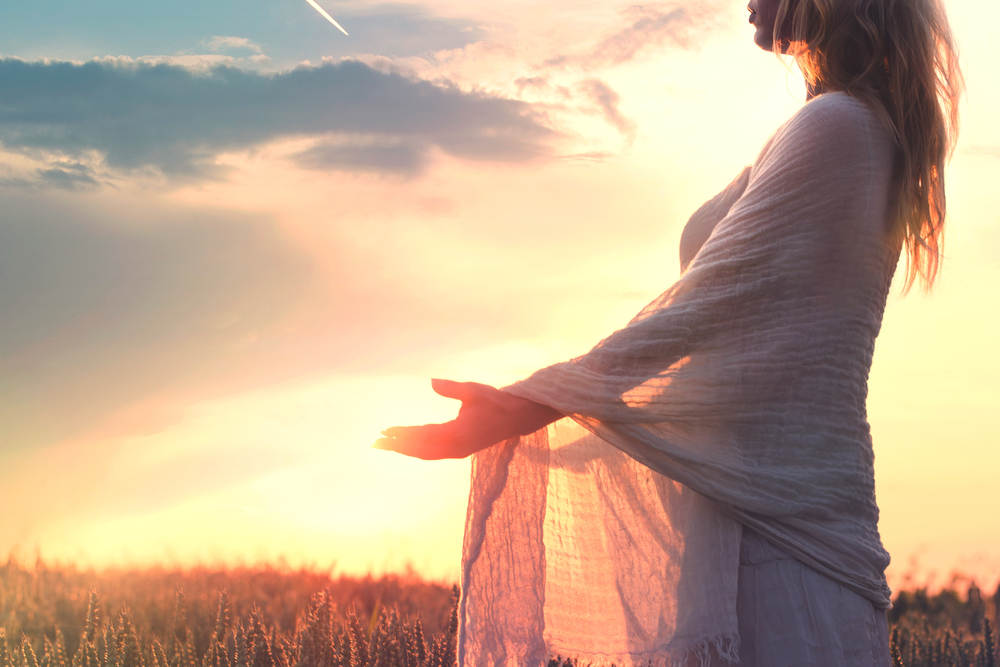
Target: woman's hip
(790, 614)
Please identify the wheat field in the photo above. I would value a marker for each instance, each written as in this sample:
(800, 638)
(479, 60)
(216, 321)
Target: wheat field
(269, 615)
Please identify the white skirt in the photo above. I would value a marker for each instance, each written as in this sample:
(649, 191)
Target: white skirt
(791, 615)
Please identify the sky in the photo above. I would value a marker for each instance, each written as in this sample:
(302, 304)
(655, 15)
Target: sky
(236, 244)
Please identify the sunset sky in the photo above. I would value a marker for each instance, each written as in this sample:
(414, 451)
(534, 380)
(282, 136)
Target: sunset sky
(236, 244)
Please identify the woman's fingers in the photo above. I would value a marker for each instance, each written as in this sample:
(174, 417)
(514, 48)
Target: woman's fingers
(383, 443)
(450, 388)
(462, 391)
(476, 426)
(431, 441)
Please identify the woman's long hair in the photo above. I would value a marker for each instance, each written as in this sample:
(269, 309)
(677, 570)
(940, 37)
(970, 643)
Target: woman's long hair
(900, 55)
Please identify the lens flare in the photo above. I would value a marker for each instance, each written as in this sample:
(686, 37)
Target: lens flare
(329, 18)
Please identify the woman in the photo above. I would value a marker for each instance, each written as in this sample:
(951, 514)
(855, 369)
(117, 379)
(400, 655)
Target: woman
(711, 498)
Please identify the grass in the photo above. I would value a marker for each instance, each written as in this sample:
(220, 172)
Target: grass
(263, 616)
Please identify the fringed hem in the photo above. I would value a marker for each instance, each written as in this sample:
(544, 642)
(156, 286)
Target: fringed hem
(701, 653)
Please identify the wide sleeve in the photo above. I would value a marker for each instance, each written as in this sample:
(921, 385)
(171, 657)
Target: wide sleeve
(782, 252)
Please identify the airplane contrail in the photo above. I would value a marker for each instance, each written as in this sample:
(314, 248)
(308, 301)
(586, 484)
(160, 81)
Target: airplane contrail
(329, 18)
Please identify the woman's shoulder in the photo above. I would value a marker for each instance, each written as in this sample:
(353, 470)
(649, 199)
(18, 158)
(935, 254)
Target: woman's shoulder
(834, 116)
(842, 106)
(831, 125)
(836, 99)
(834, 142)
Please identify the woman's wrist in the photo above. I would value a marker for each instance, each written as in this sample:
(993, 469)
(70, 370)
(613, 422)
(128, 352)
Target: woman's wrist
(530, 416)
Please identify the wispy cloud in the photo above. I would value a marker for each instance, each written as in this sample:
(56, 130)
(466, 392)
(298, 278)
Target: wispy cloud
(222, 43)
(69, 176)
(61, 174)
(607, 100)
(649, 26)
(175, 120)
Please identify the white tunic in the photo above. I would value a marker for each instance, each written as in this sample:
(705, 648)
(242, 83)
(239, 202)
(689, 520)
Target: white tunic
(736, 398)
(789, 614)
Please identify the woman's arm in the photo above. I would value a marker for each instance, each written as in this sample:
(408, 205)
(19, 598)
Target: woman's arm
(787, 247)
(489, 415)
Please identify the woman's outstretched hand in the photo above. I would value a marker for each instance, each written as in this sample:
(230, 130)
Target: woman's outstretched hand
(487, 416)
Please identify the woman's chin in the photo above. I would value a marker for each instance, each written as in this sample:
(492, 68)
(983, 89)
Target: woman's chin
(763, 39)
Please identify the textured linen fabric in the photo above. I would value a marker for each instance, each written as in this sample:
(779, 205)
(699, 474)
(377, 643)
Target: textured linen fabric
(735, 398)
(790, 615)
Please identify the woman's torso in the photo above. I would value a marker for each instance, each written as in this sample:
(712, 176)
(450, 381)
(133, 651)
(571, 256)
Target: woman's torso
(852, 301)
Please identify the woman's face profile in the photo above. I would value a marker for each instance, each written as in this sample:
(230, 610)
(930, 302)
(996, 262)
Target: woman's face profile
(762, 15)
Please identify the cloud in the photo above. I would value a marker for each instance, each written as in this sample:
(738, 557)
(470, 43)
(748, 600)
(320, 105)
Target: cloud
(69, 176)
(607, 101)
(397, 157)
(176, 120)
(540, 84)
(649, 26)
(60, 174)
(201, 63)
(288, 32)
(220, 43)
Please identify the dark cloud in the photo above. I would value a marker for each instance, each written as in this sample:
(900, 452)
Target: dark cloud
(649, 26)
(402, 158)
(68, 176)
(177, 120)
(61, 174)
